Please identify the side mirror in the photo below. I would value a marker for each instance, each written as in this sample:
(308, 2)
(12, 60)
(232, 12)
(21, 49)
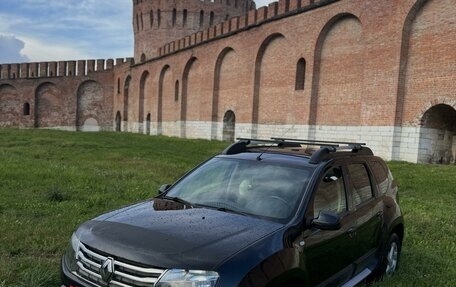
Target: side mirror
(164, 188)
(327, 220)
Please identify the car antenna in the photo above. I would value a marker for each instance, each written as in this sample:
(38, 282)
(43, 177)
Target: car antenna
(272, 144)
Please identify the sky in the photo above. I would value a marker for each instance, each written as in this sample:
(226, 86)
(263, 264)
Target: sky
(54, 30)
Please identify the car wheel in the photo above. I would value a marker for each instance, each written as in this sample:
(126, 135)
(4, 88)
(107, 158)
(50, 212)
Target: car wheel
(390, 258)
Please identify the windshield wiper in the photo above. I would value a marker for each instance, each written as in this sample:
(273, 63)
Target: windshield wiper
(221, 207)
(178, 200)
(224, 209)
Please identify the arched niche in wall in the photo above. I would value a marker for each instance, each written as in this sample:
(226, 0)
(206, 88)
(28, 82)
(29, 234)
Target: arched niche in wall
(143, 91)
(427, 67)
(190, 86)
(338, 72)
(229, 126)
(90, 105)
(50, 107)
(118, 122)
(438, 135)
(224, 85)
(10, 106)
(271, 90)
(161, 91)
(126, 95)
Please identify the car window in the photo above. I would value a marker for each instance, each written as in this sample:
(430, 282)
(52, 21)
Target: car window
(380, 176)
(248, 186)
(362, 189)
(330, 194)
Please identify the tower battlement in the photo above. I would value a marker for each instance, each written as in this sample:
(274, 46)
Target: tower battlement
(274, 11)
(157, 22)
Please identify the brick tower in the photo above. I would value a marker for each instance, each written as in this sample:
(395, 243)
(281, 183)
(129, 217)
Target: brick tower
(157, 22)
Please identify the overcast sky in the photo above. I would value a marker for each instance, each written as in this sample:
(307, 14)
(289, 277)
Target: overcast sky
(52, 30)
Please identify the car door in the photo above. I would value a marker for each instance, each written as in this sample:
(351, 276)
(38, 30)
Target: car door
(367, 212)
(327, 258)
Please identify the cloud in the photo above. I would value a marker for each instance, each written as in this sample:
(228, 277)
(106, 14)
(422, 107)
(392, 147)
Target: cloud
(67, 29)
(38, 51)
(10, 50)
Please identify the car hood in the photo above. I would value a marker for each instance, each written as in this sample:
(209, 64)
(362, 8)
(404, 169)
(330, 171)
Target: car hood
(167, 234)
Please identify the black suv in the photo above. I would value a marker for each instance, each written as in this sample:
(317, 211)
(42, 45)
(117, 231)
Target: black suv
(279, 212)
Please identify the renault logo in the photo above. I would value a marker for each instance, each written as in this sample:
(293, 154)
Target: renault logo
(107, 270)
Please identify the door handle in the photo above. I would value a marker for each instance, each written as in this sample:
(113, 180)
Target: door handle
(351, 232)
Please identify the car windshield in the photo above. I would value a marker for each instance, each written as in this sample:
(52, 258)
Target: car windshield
(249, 187)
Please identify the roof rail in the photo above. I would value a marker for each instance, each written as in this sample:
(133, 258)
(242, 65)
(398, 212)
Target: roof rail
(321, 142)
(324, 151)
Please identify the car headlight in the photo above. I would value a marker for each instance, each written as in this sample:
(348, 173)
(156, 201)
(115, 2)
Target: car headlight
(71, 253)
(188, 278)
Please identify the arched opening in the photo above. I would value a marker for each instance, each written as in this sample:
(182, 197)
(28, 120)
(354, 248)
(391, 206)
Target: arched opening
(26, 109)
(148, 124)
(89, 106)
(184, 98)
(201, 23)
(125, 102)
(50, 107)
(143, 57)
(118, 121)
(229, 126)
(160, 100)
(158, 18)
(438, 135)
(300, 74)
(151, 16)
(142, 87)
(176, 91)
(10, 106)
(211, 18)
(257, 80)
(174, 17)
(184, 18)
(216, 91)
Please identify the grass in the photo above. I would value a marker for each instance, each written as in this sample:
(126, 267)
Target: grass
(52, 181)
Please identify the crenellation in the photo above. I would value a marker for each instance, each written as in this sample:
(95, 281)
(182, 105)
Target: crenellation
(284, 7)
(243, 21)
(234, 23)
(14, 71)
(81, 68)
(109, 64)
(273, 9)
(24, 70)
(52, 69)
(5, 71)
(34, 70)
(252, 17)
(218, 29)
(62, 66)
(305, 3)
(90, 66)
(72, 69)
(100, 65)
(294, 5)
(262, 14)
(199, 37)
(43, 70)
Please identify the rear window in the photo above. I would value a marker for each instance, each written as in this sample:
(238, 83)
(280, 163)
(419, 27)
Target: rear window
(381, 176)
(362, 189)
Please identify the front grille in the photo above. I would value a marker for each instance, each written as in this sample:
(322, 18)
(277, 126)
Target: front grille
(125, 274)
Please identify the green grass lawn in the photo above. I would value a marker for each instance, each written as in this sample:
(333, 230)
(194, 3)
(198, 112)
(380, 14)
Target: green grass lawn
(51, 181)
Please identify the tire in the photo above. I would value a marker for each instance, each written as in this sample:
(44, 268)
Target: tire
(389, 263)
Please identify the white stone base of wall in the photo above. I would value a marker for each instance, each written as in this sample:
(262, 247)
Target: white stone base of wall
(413, 144)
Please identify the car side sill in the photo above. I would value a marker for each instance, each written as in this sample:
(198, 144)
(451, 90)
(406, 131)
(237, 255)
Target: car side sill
(358, 278)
